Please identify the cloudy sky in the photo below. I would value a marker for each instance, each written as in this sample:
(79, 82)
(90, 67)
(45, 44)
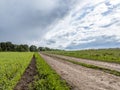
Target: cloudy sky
(64, 24)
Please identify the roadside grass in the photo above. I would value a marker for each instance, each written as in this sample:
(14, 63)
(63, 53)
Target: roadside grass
(47, 78)
(106, 55)
(114, 72)
(12, 66)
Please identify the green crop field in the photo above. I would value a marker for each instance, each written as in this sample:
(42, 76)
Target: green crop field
(12, 66)
(107, 55)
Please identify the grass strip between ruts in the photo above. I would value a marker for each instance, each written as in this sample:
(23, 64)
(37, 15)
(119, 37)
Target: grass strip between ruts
(47, 78)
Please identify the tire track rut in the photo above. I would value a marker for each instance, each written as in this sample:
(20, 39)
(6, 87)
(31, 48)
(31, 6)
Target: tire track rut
(112, 66)
(28, 76)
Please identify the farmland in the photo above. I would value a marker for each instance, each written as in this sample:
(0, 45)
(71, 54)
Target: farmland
(16, 73)
(106, 55)
(60, 70)
(12, 66)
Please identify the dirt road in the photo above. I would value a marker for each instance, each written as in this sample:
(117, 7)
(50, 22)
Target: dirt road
(82, 78)
(112, 66)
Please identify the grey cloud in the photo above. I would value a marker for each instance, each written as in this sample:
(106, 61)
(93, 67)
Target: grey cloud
(100, 42)
(21, 19)
(50, 42)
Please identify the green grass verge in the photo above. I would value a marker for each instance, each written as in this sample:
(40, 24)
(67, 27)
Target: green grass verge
(47, 78)
(106, 55)
(114, 72)
(12, 66)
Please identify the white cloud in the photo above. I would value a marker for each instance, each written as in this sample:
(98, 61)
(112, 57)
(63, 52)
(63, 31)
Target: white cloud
(86, 22)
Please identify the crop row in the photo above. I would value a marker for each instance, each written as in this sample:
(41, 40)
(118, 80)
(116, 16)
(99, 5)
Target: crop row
(12, 66)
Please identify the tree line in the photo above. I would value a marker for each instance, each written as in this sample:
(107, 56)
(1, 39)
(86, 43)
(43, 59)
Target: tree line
(9, 46)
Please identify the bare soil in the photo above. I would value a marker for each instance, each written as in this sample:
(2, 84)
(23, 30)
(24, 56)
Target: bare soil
(82, 78)
(112, 66)
(28, 76)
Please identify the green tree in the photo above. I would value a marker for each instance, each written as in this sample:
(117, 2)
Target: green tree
(3, 46)
(33, 48)
(9, 46)
(21, 48)
(47, 49)
(0, 47)
(40, 49)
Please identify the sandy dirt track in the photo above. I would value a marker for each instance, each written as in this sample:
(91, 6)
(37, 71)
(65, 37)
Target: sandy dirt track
(112, 66)
(82, 78)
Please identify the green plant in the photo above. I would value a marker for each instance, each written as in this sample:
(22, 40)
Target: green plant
(12, 66)
(47, 78)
